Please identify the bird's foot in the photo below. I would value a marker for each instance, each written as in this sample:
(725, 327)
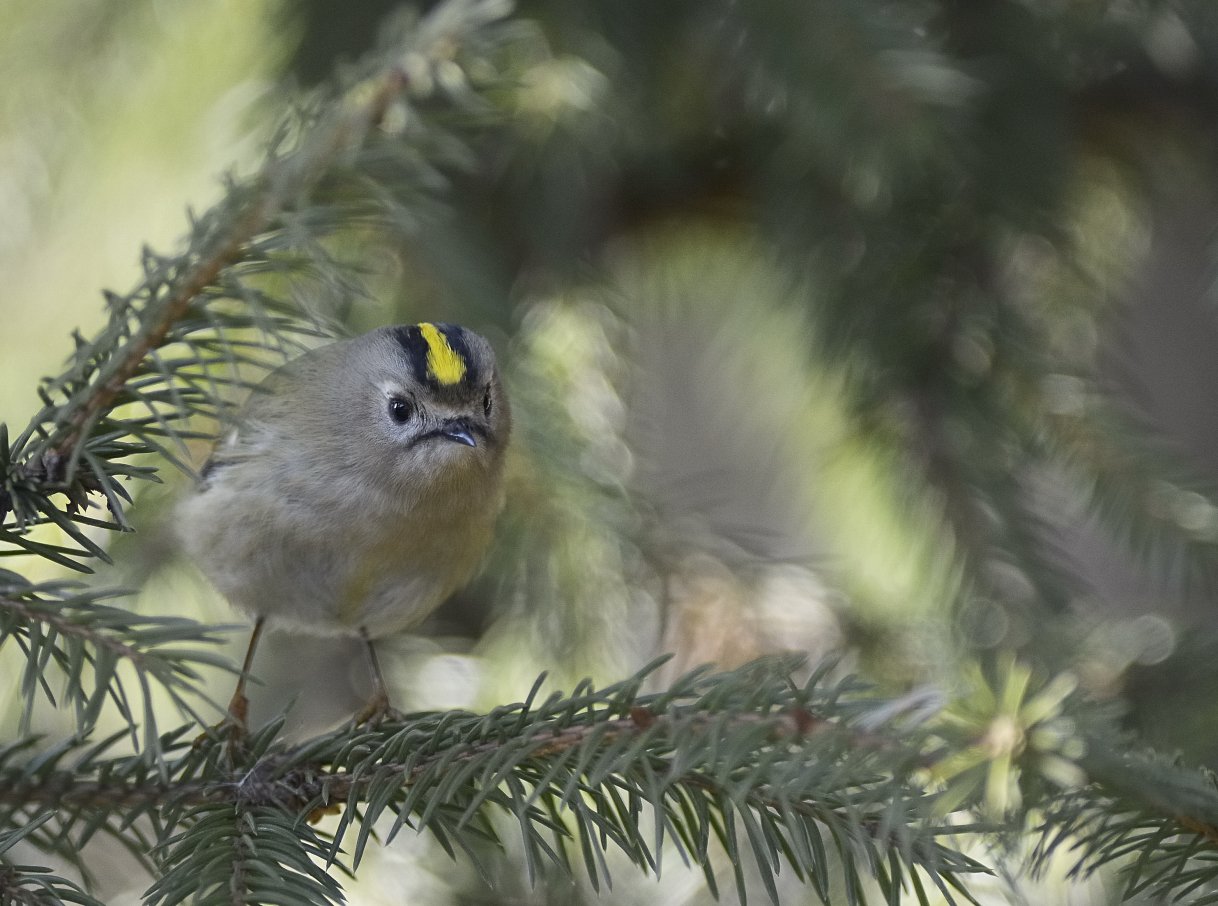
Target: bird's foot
(377, 711)
(232, 730)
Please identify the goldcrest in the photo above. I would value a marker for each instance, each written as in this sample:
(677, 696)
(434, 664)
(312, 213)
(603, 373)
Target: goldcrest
(359, 487)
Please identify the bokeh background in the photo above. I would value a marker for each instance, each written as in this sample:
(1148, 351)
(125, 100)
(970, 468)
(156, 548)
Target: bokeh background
(878, 330)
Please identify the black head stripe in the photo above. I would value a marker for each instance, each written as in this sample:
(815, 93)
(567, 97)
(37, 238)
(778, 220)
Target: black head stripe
(421, 353)
(412, 343)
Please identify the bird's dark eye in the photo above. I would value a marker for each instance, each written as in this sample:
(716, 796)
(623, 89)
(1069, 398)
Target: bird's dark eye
(486, 401)
(400, 409)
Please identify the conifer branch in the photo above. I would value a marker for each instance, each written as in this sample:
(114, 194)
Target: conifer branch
(282, 181)
(287, 780)
(716, 755)
(28, 885)
(712, 751)
(85, 638)
(1154, 819)
(82, 441)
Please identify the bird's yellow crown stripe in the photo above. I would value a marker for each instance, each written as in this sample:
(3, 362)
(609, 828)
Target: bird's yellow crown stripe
(444, 362)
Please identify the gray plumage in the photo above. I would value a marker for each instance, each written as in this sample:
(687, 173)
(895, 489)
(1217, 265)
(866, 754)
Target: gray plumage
(360, 485)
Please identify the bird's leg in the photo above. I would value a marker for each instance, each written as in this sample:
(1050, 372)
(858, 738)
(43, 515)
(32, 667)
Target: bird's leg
(235, 722)
(378, 707)
(239, 705)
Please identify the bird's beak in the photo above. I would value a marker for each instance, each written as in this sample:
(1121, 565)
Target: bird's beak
(458, 430)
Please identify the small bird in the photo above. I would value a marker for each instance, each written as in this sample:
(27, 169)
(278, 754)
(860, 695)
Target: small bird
(358, 489)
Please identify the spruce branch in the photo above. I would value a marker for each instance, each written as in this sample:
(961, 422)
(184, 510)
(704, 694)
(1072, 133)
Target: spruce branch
(133, 388)
(1020, 744)
(1154, 819)
(769, 770)
(31, 885)
(72, 627)
(824, 779)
